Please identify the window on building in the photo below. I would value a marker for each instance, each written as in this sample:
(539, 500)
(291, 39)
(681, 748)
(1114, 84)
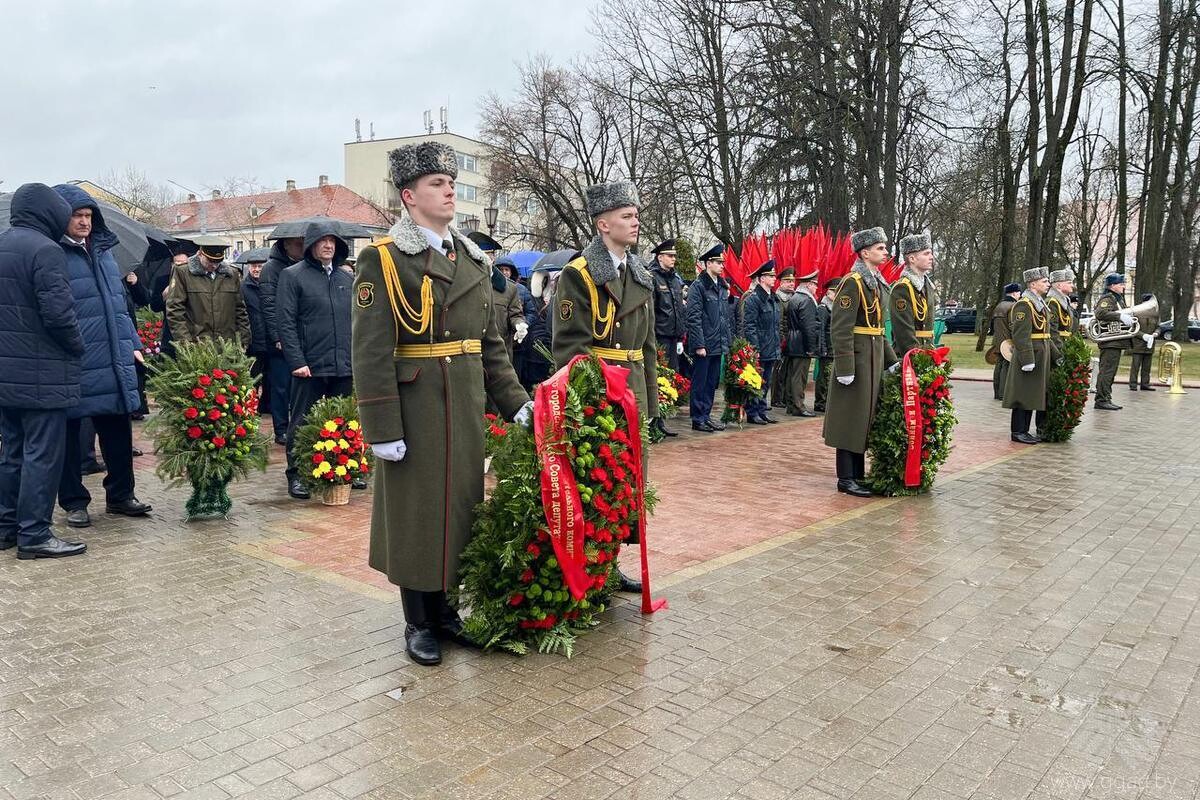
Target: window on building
(253, 244)
(239, 247)
(502, 201)
(466, 162)
(466, 191)
(460, 219)
(532, 206)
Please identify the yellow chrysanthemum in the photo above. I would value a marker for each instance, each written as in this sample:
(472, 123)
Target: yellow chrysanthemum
(324, 467)
(340, 472)
(352, 424)
(342, 443)
(331, 426)
(352, 464)
(316, 472)
(751, 377)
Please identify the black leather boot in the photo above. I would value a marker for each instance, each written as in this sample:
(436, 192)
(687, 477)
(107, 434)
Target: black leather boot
(449, 623)
(420, 639)
(628, 584)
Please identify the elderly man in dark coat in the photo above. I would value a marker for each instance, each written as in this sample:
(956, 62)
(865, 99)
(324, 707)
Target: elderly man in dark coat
(861, 353)
(709, 334)
(761, 311)
(312, 312)
(803, 342)
(426, 349)
(284, 253)
(108, 380)
(40, 348)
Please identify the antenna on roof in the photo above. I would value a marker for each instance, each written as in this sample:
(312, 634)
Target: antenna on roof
(445, 123)
(428, 121)
(372, 131)
(357, 129)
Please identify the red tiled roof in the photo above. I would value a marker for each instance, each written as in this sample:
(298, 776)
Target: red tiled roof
(226, 213)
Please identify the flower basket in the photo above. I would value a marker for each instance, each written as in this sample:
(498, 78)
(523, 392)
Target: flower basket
(207, 429)
(528, 586)
(931, 423)
(742, 379)
(330, 446)
(1067, 392)
(336, 495)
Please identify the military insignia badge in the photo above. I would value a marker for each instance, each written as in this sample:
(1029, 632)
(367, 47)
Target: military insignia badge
(844, 302)
(1020, 315)
(901, 305)
(452, 256)
(565, 309)
(366, 295)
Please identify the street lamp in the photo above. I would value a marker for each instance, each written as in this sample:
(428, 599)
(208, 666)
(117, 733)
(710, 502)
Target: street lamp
(489, 214)
(471, 224)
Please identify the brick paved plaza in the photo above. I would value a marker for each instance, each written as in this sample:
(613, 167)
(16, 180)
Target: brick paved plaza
(1028, 630)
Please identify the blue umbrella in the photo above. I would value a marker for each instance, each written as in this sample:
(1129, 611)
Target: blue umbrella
(524, 261)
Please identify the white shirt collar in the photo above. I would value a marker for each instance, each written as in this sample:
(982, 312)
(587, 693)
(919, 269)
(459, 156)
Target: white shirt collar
(617, 262)
(435, 239)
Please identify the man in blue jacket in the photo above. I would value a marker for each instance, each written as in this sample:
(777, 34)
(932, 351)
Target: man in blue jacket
(40, 348)
(709, 332)
(761, 311)
(108, 379)
(312, 312)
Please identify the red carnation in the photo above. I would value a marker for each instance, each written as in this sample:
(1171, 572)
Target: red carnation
(231, 373)
(221, 399)
(318, 458)
(198, 393)
(527, 576)
(533, 550)
(343, 458)
(239, 409)
(516, 600)
(214, 413)
(191, 413)
(218, 373)
(240, 430)
(219, 441)
(589, 411)
(194, 432)
(363, 467)
(204, 380)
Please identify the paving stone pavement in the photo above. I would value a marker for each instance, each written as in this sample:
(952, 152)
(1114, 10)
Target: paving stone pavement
(1028, 630)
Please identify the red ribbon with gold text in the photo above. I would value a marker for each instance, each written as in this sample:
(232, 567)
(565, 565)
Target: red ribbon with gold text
(560, 493)
(914, 422)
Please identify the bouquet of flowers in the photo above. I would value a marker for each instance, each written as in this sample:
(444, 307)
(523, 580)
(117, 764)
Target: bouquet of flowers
(149, 330)
(908, 445)
(681, 385)
(208, 430)
(528, 585)
(1067, 392)
(742, 378)
(331, 440)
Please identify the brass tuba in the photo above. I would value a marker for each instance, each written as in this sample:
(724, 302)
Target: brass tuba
(1170, 367)
(1109, 331)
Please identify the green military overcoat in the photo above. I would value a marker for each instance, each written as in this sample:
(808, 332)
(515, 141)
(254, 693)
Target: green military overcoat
(203, 307)
(1060, 317)
(1031, 345)
(424, 504)
(860, 351)
(1109, 308)
(594, 307)
(911, 306)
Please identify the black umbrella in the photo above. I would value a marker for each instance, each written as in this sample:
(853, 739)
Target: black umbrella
(297, 228)
(260, 254)
(132, 243)
(556, 260)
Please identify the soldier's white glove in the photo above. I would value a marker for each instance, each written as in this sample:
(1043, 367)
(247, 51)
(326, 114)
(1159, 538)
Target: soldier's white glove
(390, 451)
(679, 348)
(1028, 367)
(1148, 339)
(525, 415)
(1126, 319)
(894, 368)
(845, 380)
(521, 333)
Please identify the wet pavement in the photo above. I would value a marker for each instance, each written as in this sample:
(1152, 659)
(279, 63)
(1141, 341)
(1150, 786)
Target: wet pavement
(1029, 629)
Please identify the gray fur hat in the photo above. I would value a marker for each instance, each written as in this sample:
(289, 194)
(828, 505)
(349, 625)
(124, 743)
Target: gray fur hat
(915, 243)
(413, 161)
(1062, 275)
(1035, 274)
(867, 238)
(607, 196)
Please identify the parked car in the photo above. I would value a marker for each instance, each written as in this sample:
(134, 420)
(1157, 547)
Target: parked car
(1085, 319)
(960, 320)
(1167, 329)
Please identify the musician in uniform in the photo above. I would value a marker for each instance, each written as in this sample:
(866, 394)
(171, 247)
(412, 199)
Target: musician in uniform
(1025, 392)
(604, 306)
(913, 297)
(1000, 332)
(1143, 351)
(861, 354)
(425, 349)
(1111, 308)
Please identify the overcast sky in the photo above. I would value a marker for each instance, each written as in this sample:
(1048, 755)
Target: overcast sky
(199, 91)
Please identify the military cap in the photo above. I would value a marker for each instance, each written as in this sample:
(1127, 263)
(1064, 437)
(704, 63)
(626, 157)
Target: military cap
(485, 243)
(1115, 279)
(915, 243)
(412, 161)
(786, 272)
(666, 246)
(1035, 274)
(607, 196)
(713, 253)
(867, 238)
(811, 277)
(1009, 288)
(767, 266)
(213, 247)
(1061, 275)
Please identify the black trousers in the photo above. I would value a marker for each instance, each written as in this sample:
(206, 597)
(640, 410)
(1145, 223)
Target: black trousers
(31, 460)
(706, 376)
(851, 465)
(1139, 369)
(305, 392)
(115, 432)
(821, 378)
(141, 378)
(280, 379)
(1022, 417)
(999, 378)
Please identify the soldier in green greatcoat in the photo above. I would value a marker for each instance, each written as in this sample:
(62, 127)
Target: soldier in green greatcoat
(1111, 308)
(1025, 392)
(1000, 334)
(1142, 352)
(604, 305)
(204, 298)
(1062, 312)
(861, 354)
(425, 350)
(913, 297)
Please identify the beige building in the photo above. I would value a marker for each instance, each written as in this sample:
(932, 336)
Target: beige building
(517, 219)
